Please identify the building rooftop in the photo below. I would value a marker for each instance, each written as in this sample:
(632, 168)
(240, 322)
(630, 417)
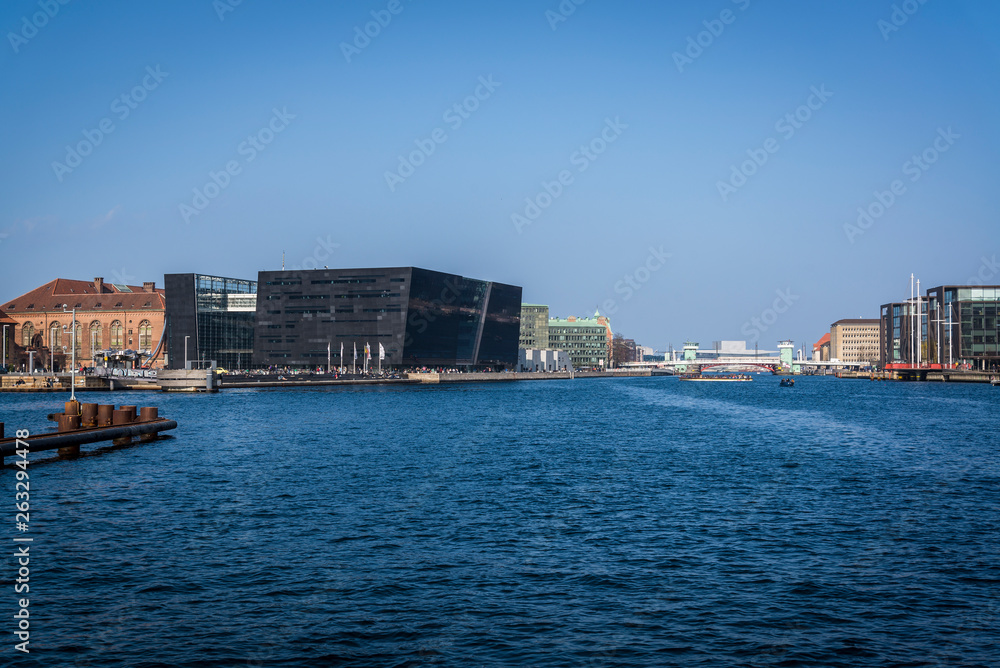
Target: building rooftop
(93, 295)
(857, 321)
(823, 341)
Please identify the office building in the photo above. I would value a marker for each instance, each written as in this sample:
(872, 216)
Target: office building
(855, 340)
(210, 318)
(534, 326)
(112, 320)
(587, 340)
(420, 318)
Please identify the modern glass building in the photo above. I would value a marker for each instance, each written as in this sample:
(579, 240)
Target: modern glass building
(421, 318)
(212, 318)
(957, 325)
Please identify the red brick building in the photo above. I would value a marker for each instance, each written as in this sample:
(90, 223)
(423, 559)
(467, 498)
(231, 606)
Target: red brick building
(108, 317)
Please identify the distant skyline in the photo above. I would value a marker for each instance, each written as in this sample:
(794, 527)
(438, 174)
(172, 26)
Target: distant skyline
(690, 166)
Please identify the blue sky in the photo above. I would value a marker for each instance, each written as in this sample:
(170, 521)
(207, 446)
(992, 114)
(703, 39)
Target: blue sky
(330, 127)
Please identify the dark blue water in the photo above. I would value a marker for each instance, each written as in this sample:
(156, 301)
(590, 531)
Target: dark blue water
(630, 522)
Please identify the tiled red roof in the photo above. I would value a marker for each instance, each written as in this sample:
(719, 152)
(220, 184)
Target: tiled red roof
(84, 295)
(819, 344)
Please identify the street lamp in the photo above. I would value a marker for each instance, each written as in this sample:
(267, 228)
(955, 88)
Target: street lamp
(186, 350)
(52, 348)
(72, 384)
(5, 346)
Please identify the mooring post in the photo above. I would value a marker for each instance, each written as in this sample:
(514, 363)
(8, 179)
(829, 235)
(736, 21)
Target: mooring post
(148, 414)
(72, 407)
(69, 422)
(88, 415)
(122, 417)
(105, 414)
(132, 411)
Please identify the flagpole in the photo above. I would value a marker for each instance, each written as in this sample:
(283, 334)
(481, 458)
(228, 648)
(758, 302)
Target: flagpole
(328, 358)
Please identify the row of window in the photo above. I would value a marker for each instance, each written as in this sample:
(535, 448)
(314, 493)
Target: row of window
(116, 331)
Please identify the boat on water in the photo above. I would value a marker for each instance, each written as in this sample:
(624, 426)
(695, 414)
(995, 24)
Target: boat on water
(787, 382)
(739, 378)
(994, 381)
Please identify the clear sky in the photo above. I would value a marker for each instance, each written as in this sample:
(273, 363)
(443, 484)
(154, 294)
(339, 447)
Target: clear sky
(348, 150)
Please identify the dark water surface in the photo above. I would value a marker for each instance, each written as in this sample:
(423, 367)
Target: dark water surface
(630, 522)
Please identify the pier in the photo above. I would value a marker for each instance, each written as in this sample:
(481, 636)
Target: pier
(82, 424)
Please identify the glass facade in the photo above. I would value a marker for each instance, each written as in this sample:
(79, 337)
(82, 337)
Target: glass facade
(213, 316)
(421, 318)
(958, 325)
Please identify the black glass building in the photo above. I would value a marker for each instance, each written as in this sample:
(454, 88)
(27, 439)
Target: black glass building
(212, 318)
(421, 318)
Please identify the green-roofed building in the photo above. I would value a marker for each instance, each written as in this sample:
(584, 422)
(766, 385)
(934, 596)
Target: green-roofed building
(587, 340)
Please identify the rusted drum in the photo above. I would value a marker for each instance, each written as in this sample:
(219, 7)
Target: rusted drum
(105, 414)
(147, 413)
(69, 422)
(72, 407)
(122, 416)
(133, 411)
(88, 415)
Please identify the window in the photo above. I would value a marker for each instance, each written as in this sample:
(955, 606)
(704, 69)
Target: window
(145, 335)
(27, 334)
(78, 339)
(117, 332)
(95, 336)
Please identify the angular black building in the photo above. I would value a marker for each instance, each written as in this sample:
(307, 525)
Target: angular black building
(421, 318)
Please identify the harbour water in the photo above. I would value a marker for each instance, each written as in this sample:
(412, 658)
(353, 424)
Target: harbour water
(625, 522)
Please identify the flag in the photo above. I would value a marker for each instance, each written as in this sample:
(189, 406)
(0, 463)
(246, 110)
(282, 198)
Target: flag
(381, 352)
(368, 352)
(355, 351)
(341, 352)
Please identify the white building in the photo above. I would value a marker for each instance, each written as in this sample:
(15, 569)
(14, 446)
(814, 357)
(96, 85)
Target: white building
(533, 359)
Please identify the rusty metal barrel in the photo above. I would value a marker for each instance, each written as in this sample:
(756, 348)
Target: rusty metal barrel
(133, 411)
(72, 407)
(69, 422)
(105, 415)
(123, 416)
(148, 414)
(88, 415)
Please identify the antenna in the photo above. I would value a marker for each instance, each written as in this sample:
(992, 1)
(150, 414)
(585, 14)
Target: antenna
(282, 260)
